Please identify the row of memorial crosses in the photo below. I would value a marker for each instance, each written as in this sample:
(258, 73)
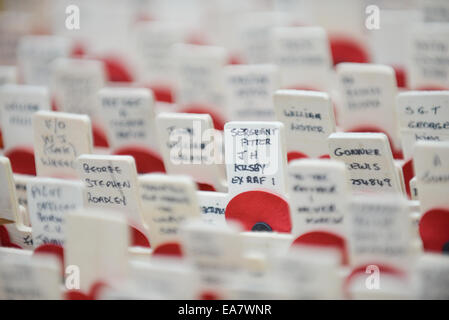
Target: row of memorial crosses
(248, 167)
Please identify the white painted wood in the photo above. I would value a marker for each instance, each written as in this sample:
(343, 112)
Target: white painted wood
(255, 156)
(20, 235)
(414, 189)
(434, 10)
(199, 75)
(166, 278)
(190, 146)
(35, 55)
(8, 75)
(15, 24)
(219, 23)
(303, 56)
(423, 116)
(167, 201)
(75, 83)
(311, 273)
(17, 105)
(368, 98)
(26, 277)
(269, 245)
(344, 18)
(214, 251)
(128, 116)
(126, 292)
(154, 40)
(293, 9)
(140, 253)
(318, 192)
(388, 43)
(309, 119)
(415, 217)
(97, 243)
(344, 21)
(427, 52)
(400, 174)
(254, 34)
(8, 200)
(392, 287)
(368, 160)
(255, 264)
(59, 138)
(104, 25)
(245, 286)
(111, 183)
(13, 216)
(49, 201)
(431, 276)
(430, 161)
(379, 230)
(249, 91)
(213, 206)
(20, 181)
